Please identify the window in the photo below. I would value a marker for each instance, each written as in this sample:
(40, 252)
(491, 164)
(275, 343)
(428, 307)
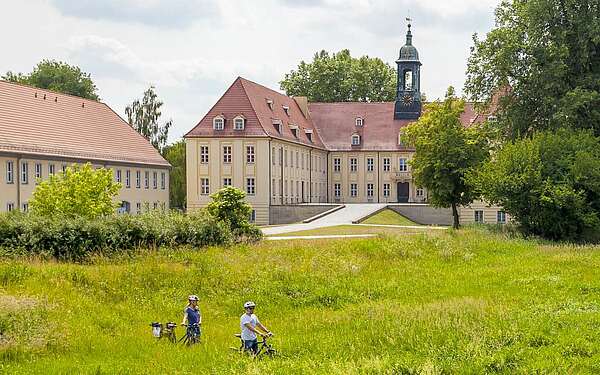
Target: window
(10, 206)
(204, 186)
(24, 172)
(25, 207)
(408, 80)
(147, 179)
(64, 168)
(285, 160)
(238, 123)
(138, 208)
(386, 164)
(226, 182)
(353, 190)
(51, 169)
(419, 192)
(294, 131)
(227, 154)
(479, 216)
(302, 161)
(250, 188)
(337, 164)
(203, 154)
(286, 109)
(270, 104)
(309, 136)
(154, 180)
(370, 190)
(163, 180)
(355, 140)
(281, 156)
(386, 190)
(250, 154)
(274, 187)
(370, 164)
(252, 217)
(359, 121)
(138, 179)
(273, 156)
(337, 190)
(10, 172)
(353, 164)
(297, 160)
(38, 170)
(155, 205)
(501, 217)
(286, 188)
(278, 126)
(128, 179)
(218, 123)
(492, 118)
(402, 165)
(291, 158)
(118, 173)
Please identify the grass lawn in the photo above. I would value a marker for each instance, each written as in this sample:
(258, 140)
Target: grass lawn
(388, 217)
(460, 302)
(352, 229)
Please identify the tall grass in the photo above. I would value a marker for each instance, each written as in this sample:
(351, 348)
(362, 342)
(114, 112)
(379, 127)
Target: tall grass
(461, 302)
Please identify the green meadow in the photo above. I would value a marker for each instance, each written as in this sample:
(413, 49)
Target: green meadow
(468, 301)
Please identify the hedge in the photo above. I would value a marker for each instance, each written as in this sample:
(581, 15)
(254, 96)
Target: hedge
(76, 238)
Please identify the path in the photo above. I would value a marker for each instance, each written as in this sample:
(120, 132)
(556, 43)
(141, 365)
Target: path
(348, 214)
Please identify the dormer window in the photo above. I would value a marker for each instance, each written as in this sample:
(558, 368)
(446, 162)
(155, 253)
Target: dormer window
(239, 122)
(359, 121)
(294, 130)
(219, 123)
(308, 133)
(492, 118)
(270, 104)
(277, 125)
(286, 109)
(355, 140)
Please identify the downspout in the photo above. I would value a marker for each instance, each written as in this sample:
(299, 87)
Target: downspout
(281, 182)
(17, 176)
(378, 180)
(270, 187)
(327, 177)
(310, 175)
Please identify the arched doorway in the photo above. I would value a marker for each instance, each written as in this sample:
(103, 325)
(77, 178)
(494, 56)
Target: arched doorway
(403, 192)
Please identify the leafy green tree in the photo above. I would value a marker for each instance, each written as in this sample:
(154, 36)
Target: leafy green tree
(175, 155)
(144, 117)
(340, 77)
(57, 76)
(80, 191)
(541, 62)
(549, 184)
(445, 151)
(228, 205)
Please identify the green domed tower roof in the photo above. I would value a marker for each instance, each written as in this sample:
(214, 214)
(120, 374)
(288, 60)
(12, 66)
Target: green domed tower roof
(408, 52)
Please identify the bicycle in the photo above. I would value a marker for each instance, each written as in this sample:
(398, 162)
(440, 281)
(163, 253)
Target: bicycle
(192, 334)
(168, 331)
(264, 348)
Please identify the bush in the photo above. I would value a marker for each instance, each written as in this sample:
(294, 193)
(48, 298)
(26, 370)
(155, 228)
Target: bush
(76, 238)
(228, 205)
(549, 184)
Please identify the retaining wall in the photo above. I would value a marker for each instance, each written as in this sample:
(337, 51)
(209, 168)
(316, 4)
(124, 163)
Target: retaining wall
(296, 213)
(423, 213)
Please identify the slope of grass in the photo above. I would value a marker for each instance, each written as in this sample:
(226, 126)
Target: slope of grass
(460, 302)
(389, 217)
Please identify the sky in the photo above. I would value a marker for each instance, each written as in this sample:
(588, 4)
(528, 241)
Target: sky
(192, 50)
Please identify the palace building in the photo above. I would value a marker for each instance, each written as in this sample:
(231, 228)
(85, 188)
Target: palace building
(287, 151)
(42, 132)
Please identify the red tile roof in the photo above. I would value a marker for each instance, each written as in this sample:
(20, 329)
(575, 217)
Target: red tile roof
(333, 124)
(42, 122)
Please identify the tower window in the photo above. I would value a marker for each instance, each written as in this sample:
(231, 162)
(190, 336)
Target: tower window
(408, 80)
(355, 140)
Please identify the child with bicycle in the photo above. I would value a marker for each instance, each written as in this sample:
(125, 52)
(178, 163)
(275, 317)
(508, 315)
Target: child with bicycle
(191, 315)
(248, 324)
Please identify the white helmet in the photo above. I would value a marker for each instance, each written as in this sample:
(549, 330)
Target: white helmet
(249, 304)
(193, 297)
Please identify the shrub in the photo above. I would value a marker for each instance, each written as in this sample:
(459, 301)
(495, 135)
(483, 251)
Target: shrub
(76, 238)
(79, 191)
(228, 205)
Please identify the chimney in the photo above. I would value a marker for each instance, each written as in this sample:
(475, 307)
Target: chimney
(302, 102)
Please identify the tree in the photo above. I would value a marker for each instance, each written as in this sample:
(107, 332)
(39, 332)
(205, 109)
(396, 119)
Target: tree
(175, 155)
(57, 76)
(541, 61)
(144, 118)
(340, 77)
(549, 184)
(445, 151)
(228, 205)
(80, 191)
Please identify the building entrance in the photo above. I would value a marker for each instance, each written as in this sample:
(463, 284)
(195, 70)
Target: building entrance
(402, 190)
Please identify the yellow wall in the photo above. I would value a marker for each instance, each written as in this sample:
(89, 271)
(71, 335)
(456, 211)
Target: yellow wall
(146, 197)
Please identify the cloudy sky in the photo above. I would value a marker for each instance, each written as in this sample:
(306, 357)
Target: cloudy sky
(192, 50)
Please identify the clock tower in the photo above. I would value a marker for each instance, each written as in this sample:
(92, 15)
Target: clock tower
(408, 90)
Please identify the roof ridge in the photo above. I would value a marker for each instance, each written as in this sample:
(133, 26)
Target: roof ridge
(52, 91)
(265, 87)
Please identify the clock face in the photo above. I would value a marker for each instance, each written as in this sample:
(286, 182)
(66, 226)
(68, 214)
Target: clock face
(407, 100)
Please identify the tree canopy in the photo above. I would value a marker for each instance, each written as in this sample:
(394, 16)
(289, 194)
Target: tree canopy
(57, 76)
(543, 58)
(175, 155)
(144, 117)
(445, 151)
(339, 77)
